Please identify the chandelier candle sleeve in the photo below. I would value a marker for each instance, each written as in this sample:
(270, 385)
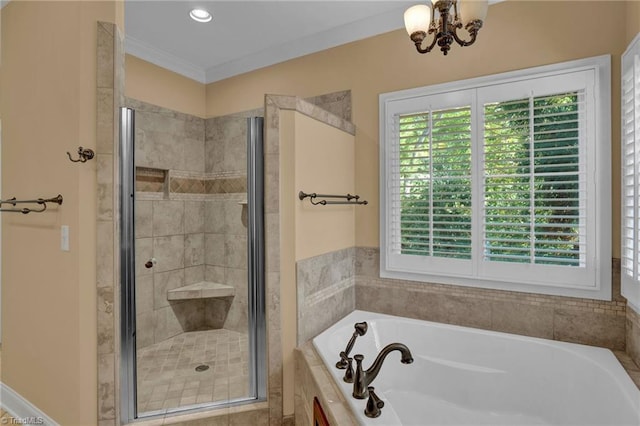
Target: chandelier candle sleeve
(443, 21)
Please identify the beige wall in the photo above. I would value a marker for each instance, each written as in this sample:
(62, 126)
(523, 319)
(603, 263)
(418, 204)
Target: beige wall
(147, 82)
(512, 38)
(324, 158)
(49, 296)
(632, 24)
(314, 157)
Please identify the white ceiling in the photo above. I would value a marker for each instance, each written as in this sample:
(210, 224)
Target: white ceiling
(247, 35)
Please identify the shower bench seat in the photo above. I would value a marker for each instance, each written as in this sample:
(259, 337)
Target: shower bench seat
(201, 290)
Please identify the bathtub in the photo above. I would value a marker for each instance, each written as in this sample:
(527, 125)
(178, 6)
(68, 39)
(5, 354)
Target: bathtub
(466, 376)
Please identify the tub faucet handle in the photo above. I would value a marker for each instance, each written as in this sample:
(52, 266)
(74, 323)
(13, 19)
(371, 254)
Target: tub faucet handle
(348, 374)
(343, 363)
(374, 404)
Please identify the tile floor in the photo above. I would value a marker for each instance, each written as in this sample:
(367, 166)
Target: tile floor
(167, 376)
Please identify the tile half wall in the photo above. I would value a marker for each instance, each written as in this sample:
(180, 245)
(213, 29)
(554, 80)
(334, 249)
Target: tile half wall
(333, 284)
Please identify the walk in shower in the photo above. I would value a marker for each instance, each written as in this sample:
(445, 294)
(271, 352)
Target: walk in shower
(192, 261)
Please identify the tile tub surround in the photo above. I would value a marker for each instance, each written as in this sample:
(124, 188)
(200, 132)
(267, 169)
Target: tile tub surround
(327, 284)
(631, 367)
(326, 291)
(633, 335)
(586, 321)
(313, 380)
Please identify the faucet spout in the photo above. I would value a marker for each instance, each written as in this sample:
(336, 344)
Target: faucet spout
(363, 378)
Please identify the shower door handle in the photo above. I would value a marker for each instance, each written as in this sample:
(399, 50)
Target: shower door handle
(150, 263)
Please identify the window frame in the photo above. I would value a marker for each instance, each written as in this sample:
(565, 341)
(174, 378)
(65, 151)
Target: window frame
(630, 285)
(598, 155)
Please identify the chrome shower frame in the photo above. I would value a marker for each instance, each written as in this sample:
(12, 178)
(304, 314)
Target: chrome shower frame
(255, 266)
(128, 380)
(256, 259)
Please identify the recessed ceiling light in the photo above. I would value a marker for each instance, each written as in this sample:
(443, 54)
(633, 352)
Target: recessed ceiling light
(200, 15)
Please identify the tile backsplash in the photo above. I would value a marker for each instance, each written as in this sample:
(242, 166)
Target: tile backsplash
(633, 335)
(586, 321)
(326, 291)
(322, 283)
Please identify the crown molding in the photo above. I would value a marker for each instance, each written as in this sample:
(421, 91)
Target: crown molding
(358, 30)
(163, 59)
(347, 33)
(378, 24)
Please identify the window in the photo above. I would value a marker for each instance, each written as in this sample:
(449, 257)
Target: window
(501, 182)
(630, 209)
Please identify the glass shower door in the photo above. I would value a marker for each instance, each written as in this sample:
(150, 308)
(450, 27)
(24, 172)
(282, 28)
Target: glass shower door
(194, 312)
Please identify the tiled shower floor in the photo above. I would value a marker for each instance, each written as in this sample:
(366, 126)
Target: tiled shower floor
(166, 371)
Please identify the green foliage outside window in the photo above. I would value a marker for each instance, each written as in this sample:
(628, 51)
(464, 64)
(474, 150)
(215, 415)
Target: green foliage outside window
(531, 190)
(435, 188)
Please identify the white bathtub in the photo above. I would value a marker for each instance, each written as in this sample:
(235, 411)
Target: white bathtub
(466, 376)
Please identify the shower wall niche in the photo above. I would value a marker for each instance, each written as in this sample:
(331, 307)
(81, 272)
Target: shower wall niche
(191, 257)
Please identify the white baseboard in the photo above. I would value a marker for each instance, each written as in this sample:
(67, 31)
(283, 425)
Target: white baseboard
(21, 409)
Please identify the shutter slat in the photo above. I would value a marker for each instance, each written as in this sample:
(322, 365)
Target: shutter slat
(534, 184)
(432, 184)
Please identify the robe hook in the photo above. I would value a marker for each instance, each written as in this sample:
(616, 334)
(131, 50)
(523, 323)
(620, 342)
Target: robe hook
(83, 155)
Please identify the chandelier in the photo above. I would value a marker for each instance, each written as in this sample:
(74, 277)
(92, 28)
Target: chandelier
(443, 21)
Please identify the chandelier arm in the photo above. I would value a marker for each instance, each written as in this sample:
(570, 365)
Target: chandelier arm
(428, 49)
(472, 27)
(461, 42)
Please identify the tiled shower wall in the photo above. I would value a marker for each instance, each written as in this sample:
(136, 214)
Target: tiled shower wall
(226, 212)
(169, 230)
(190, 217)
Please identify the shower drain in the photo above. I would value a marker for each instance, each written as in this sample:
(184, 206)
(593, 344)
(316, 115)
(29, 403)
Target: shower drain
(202, 367)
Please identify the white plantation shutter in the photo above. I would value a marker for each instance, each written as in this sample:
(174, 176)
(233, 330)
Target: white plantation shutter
(501, 182)
(630, 150)
(428, 183)
(534, 180)
(432, 191)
